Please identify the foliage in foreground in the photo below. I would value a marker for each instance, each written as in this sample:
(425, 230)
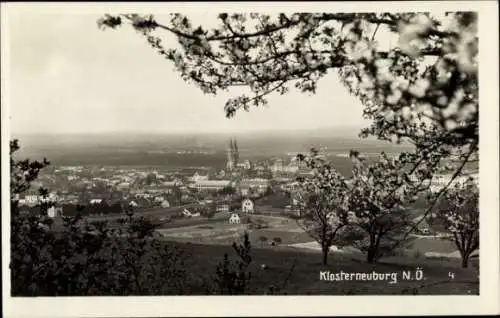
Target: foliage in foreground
(422, 89)
(91, 259)
(82, 258)
(460, 212)
(368, 211)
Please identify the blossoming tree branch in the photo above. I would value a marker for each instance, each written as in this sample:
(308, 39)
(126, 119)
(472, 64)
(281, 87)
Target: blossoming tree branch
(415, 74)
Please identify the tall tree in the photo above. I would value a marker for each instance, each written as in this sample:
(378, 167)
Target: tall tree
(29, 235)
(323, 204)
(459, 212)
(379, 195)
(367, 211)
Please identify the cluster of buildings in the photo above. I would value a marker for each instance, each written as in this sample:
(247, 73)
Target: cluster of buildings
(246, 207)
(236, 174)
(137, 188)
(241, 180)
(277, 167)
(72, 185)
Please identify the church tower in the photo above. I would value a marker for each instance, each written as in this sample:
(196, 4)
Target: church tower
(230, 156)
(236, 154)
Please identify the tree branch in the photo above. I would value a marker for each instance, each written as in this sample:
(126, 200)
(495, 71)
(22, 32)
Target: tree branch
(438, 197)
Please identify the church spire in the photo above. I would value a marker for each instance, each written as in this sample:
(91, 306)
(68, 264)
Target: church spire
(230, 156)
(236, 152)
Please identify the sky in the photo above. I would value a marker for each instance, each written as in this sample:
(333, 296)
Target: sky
(68, 76)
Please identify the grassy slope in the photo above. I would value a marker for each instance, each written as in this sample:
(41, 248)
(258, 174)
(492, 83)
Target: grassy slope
(304, 279)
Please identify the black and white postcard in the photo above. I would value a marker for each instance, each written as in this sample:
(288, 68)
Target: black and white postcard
(164, 157)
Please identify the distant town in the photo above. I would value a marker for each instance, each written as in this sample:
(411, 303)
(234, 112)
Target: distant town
(240, 188)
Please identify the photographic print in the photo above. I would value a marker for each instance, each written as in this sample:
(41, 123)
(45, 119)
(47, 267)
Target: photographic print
(254, 152)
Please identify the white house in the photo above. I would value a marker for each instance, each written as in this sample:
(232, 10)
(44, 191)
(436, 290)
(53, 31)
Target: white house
(247, 206)
(133, 204)
(234, 219)
(54, 211)
(95, 201)
(165, 204)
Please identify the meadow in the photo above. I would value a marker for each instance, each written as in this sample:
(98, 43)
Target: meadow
(219, 231)
(295, 271)
(293, 265)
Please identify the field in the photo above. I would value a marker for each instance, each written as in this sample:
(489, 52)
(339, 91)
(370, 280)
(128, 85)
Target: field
(220, 232)
(217, 231)
(293, 270)
(297, 272)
